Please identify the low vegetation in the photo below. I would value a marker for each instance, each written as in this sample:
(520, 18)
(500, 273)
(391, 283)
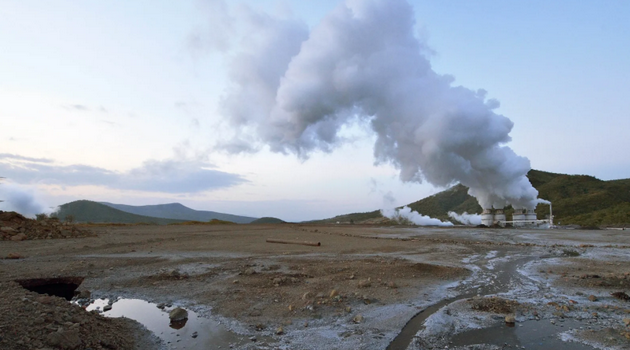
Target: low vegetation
(577, 199)
(84, 211)
(268, 220)
(211, 222)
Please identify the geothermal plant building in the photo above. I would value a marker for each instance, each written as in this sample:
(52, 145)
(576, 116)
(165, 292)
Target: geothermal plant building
(520, 218)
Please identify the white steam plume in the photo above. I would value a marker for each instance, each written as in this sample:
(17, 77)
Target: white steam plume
(406, 215)
(465, 218)
(23, 200)
(295, 90)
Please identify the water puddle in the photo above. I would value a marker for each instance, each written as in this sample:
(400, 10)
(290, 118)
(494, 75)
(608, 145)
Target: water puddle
(528, 334)
(194, 333)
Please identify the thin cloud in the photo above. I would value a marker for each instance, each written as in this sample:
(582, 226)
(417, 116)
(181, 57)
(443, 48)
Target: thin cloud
(9, 156)
(77, 107)
(175, 175)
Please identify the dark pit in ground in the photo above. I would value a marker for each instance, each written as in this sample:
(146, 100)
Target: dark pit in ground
(63, 287)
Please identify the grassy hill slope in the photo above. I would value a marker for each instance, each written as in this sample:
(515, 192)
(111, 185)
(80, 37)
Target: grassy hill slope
(268, 220)
(178, 211)
(576, 199)
(87, 211)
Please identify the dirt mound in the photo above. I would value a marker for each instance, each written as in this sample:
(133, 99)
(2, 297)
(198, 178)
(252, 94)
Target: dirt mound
(16, 227)
(32, 321)
(494, 304)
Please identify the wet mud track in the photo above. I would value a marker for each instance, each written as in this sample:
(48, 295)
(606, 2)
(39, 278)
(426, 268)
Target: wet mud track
(495, 274)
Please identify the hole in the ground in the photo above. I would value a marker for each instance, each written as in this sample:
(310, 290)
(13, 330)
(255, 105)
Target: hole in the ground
(60, 286)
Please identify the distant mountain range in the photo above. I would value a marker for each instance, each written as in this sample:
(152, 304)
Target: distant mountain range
(162, 214)
(84, 211)
(178, 211)
(577, 199)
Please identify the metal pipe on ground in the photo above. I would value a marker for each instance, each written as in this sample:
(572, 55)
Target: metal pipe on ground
(283, 241)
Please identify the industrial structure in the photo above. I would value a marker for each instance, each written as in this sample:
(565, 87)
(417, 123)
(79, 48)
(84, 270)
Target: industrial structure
(520, 218)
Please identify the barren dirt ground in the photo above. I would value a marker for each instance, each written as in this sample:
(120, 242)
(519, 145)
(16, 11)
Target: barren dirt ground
(357, 290)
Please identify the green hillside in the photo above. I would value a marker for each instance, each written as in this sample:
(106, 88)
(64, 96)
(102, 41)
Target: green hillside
(268, 220)
(178, 211)
(84, 211)
(576, 199)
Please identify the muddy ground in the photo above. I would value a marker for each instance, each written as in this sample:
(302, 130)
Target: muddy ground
(357, 290)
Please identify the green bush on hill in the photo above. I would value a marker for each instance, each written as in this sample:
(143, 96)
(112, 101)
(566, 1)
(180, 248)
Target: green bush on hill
(576, 199)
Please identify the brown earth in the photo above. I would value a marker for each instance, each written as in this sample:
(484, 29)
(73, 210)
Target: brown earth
(34, 321)
(16, 227)
(235, 272)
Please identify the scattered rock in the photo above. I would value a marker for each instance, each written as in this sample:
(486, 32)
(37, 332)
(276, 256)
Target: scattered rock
(18, 237)
(364, 283)
(63, 339)
(307, 295)
(621, 296)
(44, 299)
(14, 256)
(626, 321)
(84, 294)
(107, 307)
(510, 319)
(357, 318)
(592, 298)
(178, 314)
(279, 331)
(334, 293)
(8, 229)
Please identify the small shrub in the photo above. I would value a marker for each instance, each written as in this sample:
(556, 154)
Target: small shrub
(570, 252)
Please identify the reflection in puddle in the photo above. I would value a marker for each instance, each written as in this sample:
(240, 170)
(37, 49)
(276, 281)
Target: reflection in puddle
(193, 333)
(178, 324)
(528, 334)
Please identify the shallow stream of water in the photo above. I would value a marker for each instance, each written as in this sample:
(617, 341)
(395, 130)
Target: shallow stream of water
(497, 278)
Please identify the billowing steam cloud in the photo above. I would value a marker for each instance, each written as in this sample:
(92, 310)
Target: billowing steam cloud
(405, 215)
(465, 218)
(22, 199)
(295, 91)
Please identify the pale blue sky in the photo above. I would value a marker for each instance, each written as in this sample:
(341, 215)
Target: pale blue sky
(113, 89)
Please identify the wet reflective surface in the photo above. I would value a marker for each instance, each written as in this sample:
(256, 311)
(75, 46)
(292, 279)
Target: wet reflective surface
(529, 334)
(194, 333)
(499, 277)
